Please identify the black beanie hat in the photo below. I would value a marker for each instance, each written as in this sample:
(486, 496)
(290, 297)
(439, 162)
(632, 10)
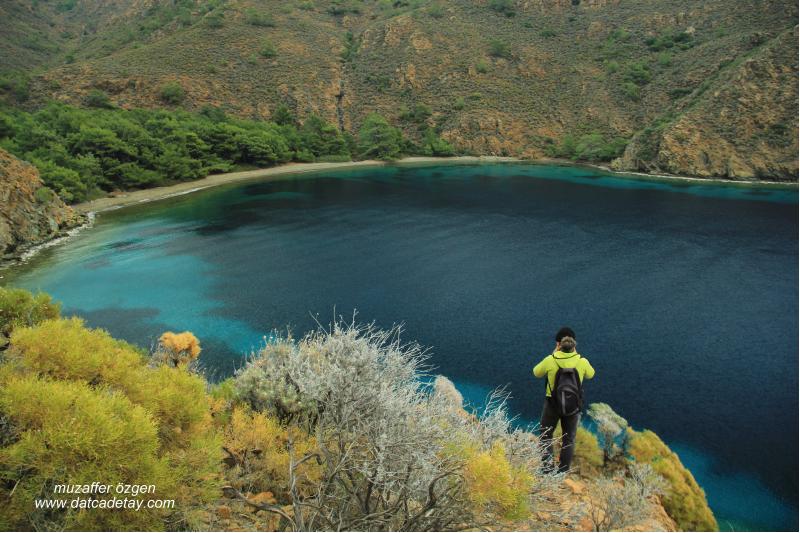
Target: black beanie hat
(564, 332)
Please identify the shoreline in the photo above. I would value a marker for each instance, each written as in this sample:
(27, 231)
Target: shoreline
(131, 198)
(128, 199)
(141, 196)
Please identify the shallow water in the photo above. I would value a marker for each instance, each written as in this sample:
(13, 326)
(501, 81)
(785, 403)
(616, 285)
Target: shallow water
(684, 294)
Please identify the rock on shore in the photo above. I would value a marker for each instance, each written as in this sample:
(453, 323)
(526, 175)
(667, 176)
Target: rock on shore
(30, 213)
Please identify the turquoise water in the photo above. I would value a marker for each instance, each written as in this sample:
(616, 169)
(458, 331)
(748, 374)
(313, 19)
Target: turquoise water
(684, 294)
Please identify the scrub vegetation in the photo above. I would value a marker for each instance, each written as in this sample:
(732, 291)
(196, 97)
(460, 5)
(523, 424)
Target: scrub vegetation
(338, 430)
(500, 77)
(683, 499)
(85, 153)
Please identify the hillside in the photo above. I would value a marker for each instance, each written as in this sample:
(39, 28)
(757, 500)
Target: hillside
(698, 88)
(30, 213)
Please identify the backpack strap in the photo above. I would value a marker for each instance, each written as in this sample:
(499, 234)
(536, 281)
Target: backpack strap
(547, 378)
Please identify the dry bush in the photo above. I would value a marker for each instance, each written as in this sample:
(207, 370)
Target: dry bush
(257, 449)
(392, 455)
(612, 429)
(177, 349)
(618, 503)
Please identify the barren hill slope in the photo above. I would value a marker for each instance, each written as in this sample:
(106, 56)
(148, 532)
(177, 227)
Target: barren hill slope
(701, 88)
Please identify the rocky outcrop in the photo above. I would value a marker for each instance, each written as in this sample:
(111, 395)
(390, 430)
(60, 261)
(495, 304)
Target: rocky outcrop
(576, 504)
(30, 213)
(742, 126)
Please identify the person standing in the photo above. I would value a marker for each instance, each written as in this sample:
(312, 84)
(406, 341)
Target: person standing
(564, 371)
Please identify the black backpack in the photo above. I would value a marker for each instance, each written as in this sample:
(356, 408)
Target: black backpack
(567, 391)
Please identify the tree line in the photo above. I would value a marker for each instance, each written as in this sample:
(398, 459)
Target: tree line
(84, 153)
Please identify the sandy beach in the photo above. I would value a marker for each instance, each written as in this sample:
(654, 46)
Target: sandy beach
(157, 193)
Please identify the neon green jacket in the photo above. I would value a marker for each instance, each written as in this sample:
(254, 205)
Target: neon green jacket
(550, 365)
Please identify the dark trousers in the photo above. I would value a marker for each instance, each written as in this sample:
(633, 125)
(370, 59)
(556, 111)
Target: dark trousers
(569, 427)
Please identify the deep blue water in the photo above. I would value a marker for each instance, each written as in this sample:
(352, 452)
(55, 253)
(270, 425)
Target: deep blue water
(684, 296)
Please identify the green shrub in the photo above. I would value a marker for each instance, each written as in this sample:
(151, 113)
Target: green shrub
(335, 158)
(380, 82)
(433, 145)
(132, 176)
(481, 67)
(589, 147)
(340, 8)
(459, 104)
(214, 113)
(670, 39)
(350, 46)
(6, 126)
(631, 91)
(84, 364)
(436, 11)
(419, 114)
(321, 138)
(268, 50)
(283, 116)
(638, 73)
(620, 35)
(649, 139)
(69, 433)
(664, 59)
(684, 500)
(377, 139)
(588, 454)
(63, 349)
(19, 308)
(505, 7)
(97, 98)
(17, 84)
(44, 195)
(172, 93)
(258, 18)
(215, 20)
(68, 183)
(77, 406)
(66, 5)
(493, 482)
(498, 48)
